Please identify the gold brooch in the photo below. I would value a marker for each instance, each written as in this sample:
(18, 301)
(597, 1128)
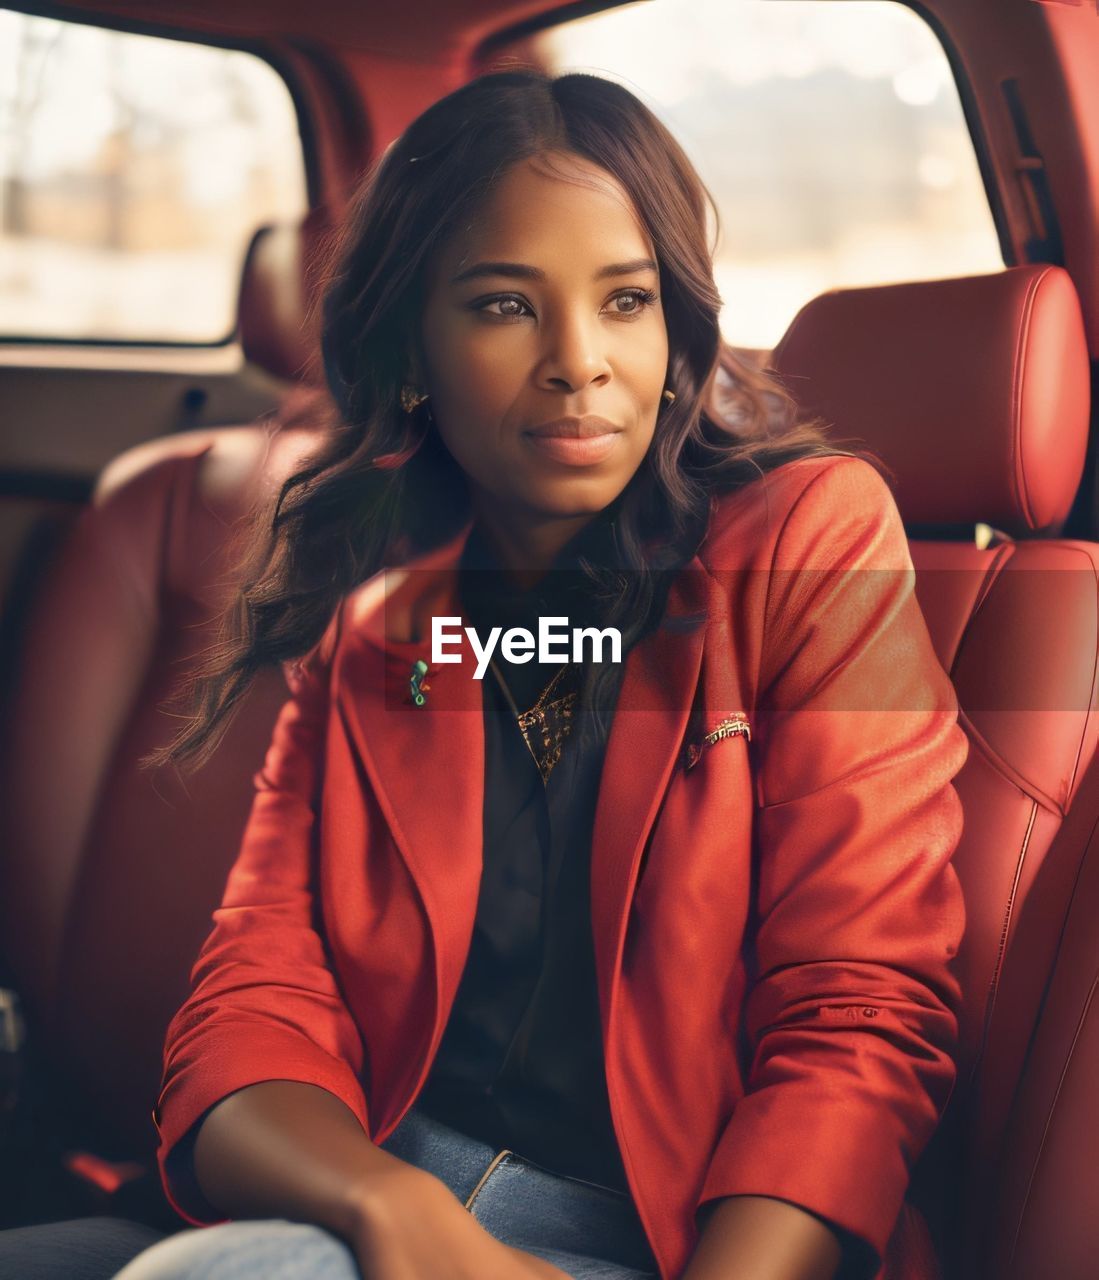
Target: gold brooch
(732, 726)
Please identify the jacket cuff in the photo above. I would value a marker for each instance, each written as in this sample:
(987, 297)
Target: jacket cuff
(253, 1054)
(837, 1160)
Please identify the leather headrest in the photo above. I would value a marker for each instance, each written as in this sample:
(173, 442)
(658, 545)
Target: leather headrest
(974, 392)
(277, 290)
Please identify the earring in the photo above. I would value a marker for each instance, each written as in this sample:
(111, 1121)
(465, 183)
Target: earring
(669, 395)
(411, 398)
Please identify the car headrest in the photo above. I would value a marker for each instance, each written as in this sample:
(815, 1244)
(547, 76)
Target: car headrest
(277, 289)
(974, 392)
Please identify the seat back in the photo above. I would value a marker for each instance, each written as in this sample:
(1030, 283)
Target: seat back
(1045, 1198)
(278, 286)
(975, 394)
(109, 874)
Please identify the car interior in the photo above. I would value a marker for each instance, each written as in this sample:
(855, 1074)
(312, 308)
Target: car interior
(909, 233)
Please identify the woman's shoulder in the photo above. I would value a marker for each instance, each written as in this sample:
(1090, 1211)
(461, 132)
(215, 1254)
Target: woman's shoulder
(819, 501)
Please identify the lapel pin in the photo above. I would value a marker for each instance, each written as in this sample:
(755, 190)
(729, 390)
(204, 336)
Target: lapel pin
(417, 685)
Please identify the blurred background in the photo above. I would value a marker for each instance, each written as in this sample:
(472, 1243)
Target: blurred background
(133, 169)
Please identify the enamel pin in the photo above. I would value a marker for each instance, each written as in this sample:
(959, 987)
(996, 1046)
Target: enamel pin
(418, 687)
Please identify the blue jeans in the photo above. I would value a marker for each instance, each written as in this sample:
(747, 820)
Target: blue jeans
(77, 1249)
(587, 1231)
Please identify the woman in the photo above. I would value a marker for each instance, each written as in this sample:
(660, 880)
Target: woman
(645, 963)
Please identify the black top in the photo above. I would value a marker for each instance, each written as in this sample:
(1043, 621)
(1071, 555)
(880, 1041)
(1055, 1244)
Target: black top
(520, 1064)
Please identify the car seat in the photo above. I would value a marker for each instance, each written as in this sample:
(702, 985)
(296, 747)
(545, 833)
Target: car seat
(975, 394)
(109, 874)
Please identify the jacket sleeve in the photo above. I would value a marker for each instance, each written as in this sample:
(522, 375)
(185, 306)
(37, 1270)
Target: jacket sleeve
(851, 1018)
(264, 1003)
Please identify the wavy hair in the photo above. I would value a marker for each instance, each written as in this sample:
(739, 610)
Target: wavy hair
(383, 487)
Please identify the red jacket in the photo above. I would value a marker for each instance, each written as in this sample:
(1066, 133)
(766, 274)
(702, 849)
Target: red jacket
(773, 919)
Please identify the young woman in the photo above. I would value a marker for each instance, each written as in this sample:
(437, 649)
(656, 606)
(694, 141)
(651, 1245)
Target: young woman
(582, 968)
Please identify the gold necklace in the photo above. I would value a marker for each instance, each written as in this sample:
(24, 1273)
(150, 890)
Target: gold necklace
(546, 724)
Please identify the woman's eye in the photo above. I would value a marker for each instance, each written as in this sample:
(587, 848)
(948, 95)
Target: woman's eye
(509, 305)
(638, 299)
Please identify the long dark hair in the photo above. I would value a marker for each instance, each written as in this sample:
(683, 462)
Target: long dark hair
(383, 487)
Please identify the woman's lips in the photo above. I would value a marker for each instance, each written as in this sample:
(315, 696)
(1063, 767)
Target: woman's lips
(575, 451)
(578, 440)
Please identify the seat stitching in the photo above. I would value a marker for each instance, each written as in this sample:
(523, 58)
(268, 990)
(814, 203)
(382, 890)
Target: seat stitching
(1081, 1022)
(1017, 374)
(997, 968)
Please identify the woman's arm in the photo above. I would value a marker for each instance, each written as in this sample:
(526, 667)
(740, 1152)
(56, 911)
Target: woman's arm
(757, 1238)
(851, 1016)
(262, 1113)
(264, 1004)
(289, 1150)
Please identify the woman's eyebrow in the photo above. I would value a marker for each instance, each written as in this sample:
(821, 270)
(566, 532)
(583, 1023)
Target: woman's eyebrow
(521, 271)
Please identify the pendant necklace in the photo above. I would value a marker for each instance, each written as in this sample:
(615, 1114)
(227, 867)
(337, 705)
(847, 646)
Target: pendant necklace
(546, 724)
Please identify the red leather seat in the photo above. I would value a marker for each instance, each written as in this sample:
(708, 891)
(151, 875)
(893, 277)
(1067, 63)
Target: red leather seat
(975, 393)
(108, 875)
(1045, 1202)
(278, 285)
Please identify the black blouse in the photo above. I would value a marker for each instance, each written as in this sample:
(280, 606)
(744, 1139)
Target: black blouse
(520, 1064)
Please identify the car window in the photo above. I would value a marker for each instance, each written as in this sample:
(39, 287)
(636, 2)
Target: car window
(133, 172)
(831, 136)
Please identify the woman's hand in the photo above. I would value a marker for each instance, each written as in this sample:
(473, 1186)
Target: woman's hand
(411, 1226)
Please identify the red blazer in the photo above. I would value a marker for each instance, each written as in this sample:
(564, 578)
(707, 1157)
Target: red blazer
(773, 922)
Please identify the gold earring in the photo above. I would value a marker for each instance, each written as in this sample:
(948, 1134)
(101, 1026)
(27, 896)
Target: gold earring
(669, 395)
(411, 398)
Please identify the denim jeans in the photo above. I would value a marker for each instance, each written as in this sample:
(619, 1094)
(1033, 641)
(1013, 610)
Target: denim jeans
(587, 1231)
(77, 1249)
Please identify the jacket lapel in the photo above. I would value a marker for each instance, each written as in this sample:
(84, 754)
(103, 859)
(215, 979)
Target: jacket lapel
(647, 732)
(426, 764)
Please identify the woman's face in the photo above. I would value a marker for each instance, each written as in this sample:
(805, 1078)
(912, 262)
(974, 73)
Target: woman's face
(543, 315)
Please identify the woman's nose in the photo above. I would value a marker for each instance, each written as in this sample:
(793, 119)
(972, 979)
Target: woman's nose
(574, 354)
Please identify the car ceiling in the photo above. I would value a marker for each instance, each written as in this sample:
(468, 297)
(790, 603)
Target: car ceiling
(427, 30)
